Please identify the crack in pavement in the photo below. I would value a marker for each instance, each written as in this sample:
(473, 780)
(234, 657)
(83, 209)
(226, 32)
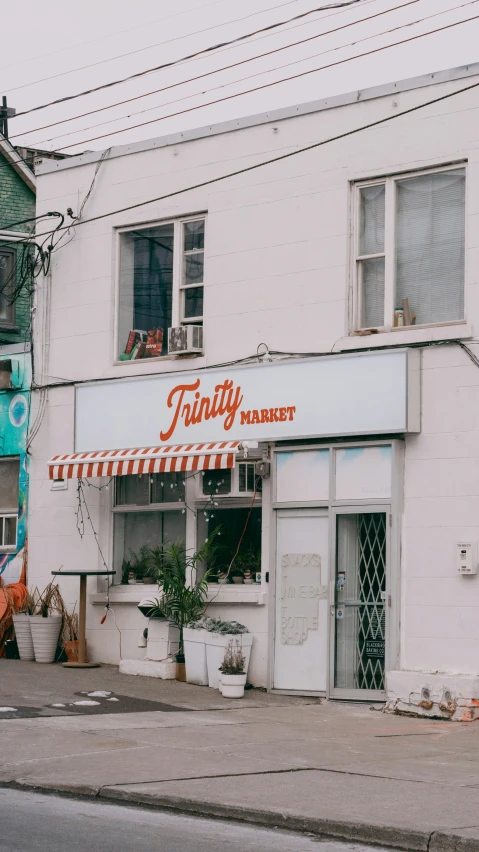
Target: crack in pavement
(284, 771)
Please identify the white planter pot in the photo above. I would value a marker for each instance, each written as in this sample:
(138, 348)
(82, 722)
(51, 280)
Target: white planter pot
(216, 645)
(195, 656)
(232, 686)
(163, 639)
(45, 632)
(23, 635)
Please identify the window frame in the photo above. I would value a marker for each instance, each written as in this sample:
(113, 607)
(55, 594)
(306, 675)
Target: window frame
(177, 318)
(389, 181)
(134, 508)
(9, 321)
(198, 320)
(10, 511)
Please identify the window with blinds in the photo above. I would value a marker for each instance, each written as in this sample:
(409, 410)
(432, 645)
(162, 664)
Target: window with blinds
(410, 250)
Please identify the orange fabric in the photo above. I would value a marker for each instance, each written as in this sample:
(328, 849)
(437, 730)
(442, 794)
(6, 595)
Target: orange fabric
(11, 599)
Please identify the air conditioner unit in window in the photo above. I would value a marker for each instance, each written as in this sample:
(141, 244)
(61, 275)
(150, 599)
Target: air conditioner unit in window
(185, 340)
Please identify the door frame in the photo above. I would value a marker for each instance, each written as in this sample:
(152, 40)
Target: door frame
(365, 508)
(303, 512)
(393, 505)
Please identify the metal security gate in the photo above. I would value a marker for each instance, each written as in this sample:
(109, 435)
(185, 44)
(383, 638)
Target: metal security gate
(359, 614)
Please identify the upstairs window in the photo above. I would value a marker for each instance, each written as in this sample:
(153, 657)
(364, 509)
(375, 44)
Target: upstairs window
(410, 250)
(161, 285)
(7, 286)
(9, 481)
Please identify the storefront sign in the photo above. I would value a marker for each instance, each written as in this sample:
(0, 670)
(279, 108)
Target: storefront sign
(372, 393)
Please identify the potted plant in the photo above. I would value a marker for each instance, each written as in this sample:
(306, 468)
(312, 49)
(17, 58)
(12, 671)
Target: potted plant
(218, 636)
(140, 563)
(46, 623)
(70, 636)
(179, 602)
(249, 562)
(233, 675)
(222, 576)
(150, 576)
(237, 575)
(23, 632)
(194, 637)
(125, 571)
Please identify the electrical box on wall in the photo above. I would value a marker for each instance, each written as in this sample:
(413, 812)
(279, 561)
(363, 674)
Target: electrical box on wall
(466, 557)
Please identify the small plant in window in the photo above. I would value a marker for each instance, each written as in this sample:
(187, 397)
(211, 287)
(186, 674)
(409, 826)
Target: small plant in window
(248, 561)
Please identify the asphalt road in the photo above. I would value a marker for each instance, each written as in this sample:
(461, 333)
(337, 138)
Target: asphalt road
(31, 822)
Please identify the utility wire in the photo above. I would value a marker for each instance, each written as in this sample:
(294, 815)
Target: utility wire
(129, 30)
(184, 58)
(281, 157)
(269, 85)
(251, 76)
(190, 62)
(24, 221)
(161, 44)
(233, 65)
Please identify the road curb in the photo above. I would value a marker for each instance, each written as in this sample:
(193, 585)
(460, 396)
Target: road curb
(358, 832)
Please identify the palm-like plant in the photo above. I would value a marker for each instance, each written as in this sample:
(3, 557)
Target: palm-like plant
(181, 603)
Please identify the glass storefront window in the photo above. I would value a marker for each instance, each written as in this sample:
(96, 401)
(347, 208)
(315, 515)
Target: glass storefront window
(230, 524)
(137, 531)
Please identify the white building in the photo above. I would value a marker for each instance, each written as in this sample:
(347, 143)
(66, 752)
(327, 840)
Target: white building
(371, 437)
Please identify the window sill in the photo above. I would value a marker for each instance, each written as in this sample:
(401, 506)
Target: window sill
(154, 366)
(159, 359)
(217, 593)
(231, 593)
(404, 336)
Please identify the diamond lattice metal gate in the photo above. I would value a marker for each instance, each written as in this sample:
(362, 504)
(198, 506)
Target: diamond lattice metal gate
(360, 602)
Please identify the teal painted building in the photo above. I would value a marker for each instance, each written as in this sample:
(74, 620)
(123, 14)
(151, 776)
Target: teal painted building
(17, 203)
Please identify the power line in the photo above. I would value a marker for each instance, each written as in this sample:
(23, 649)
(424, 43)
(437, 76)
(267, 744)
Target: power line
(257, 74)
(279, 158)
(206, 50)
(158, 44)
(25, 221)
(226, 68)
(269, 85)
(199, 58)
(129, 30)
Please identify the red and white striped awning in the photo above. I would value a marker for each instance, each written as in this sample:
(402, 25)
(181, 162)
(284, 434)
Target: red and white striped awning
(146, 460)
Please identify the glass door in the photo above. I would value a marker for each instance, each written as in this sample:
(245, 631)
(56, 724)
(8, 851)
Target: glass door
(359, 613)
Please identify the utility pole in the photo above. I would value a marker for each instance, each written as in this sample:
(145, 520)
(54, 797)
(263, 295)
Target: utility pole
(5, 113)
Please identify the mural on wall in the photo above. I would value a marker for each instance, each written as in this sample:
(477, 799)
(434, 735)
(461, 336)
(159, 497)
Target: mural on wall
(14, 420)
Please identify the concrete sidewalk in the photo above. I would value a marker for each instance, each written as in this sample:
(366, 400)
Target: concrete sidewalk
(328, 768)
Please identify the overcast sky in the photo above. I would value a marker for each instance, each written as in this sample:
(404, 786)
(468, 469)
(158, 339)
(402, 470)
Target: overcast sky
(54, 39)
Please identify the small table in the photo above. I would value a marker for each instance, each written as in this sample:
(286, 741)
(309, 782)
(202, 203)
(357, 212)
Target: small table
(81, 663)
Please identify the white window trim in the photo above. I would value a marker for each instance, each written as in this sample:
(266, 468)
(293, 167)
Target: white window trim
(8, 323)
(178, 288)
(389, 181)
(8, 513)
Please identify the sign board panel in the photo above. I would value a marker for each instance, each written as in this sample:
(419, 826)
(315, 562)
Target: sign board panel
(373, 393)
(375, 648)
